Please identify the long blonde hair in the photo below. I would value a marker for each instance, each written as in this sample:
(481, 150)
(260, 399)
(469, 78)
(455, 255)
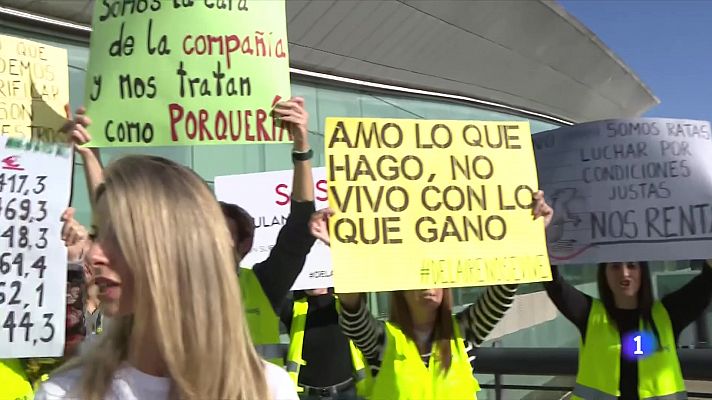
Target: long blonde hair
(171, 231)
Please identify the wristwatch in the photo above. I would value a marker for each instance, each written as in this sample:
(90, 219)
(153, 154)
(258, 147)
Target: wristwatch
(302, 156)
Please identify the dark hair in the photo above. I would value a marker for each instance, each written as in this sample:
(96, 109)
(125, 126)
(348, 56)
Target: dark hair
(442, 333)
(244, 224)
(645, 296)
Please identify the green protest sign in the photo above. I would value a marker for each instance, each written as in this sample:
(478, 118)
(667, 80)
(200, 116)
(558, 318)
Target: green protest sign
(187, 72)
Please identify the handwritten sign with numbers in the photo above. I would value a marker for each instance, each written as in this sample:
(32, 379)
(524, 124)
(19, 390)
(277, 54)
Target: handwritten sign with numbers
(35, 184)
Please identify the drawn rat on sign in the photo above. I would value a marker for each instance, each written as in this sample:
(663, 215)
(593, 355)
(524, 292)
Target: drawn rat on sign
(564, 202)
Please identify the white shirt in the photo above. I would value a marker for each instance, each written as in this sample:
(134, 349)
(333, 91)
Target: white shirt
(132, 384)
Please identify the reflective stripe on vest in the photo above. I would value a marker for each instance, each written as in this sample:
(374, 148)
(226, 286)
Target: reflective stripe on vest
(292, 366)
(674, 396)
(404, 376)
(362, 375)
(659, 374)
(271, 351)
(587, 393)
(13, 381)
(262, 322)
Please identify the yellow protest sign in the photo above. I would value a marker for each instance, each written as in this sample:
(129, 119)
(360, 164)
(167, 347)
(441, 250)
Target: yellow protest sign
(422, 204)
(34, 88)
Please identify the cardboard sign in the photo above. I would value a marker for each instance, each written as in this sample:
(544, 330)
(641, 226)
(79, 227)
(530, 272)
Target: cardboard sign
(35, 186)
(187, 72)
(628, 190)
(34, 88)
(266, 196)
(424, 204)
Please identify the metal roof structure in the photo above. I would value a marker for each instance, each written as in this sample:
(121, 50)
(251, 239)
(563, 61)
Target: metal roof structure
(526, 55)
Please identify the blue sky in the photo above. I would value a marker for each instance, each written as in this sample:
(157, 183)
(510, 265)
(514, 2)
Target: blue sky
(668, 43)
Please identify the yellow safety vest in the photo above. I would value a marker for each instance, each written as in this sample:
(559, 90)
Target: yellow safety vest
(362, 374)
(404, 376)
(13, 381)
(262, 322)
(659, 375)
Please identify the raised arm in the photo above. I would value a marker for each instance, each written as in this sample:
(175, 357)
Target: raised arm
(359, 325)
(293, 112)
(77, 129)
(572, 303)
(687, 303)
(278, 272)
(478, 320)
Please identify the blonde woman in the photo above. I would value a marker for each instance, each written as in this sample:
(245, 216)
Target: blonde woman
(165, 270)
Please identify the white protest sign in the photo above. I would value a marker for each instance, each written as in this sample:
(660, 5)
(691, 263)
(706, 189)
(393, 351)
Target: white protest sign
(266, 196)
(35, 188)
(628, 190)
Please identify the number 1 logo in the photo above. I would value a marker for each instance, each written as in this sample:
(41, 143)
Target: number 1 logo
(638, 351)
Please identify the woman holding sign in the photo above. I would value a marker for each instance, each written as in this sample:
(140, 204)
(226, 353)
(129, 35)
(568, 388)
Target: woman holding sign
(266, 285)
(629, 339)
(164, 266)
(423, 351)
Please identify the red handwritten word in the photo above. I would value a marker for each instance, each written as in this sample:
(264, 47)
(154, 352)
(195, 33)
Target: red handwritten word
(283, 197)
(10, 162)
(226, 45)
(228, 125)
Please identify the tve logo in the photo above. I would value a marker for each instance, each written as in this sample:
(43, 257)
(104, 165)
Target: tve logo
(638, 344)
